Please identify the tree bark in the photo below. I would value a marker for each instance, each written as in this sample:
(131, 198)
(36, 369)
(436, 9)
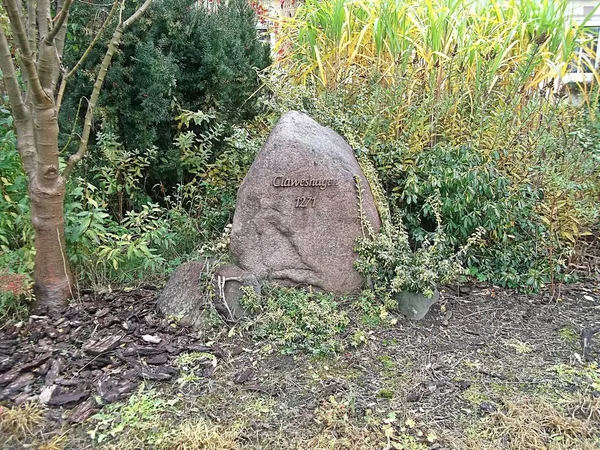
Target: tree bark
(53, 283)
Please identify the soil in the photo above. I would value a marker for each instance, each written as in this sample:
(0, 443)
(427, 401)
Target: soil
(479, 351)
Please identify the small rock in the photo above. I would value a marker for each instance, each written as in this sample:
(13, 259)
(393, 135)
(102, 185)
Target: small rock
(184, 297)
(227, 283)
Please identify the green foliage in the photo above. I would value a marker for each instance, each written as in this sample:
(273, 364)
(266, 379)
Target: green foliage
(390, 265)
(178, 56)
(528, 177)
(476, 195)
(16, 232)
(296, 319)
(116, 235)
(217, 164)
(140, 418)
(458, 98)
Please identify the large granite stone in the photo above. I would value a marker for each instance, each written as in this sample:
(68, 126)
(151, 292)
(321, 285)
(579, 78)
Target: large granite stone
(297, 216)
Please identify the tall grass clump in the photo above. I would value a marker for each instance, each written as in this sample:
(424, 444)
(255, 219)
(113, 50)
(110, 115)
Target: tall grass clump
(442, 45)
(463, 100)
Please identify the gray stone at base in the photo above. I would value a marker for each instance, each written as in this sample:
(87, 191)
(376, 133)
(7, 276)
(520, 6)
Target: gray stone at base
(296, 218)
(415, 306)
(185, 297)
(227, 283)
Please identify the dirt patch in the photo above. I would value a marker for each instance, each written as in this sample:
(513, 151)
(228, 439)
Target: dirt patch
(488, 368)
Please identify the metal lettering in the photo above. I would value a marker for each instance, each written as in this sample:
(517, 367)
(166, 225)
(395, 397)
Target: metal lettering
(321, 183)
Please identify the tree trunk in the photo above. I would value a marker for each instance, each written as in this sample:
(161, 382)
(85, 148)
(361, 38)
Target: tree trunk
(36, 122)
(52, 277)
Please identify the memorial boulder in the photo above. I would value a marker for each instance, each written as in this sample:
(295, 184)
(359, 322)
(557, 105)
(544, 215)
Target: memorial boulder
(297, 216)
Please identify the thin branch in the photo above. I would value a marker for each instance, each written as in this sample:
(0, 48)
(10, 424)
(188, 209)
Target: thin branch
(72, 133)
(16, 23)
(136, 15)
(44, 19)
(10, 78)
(59, 20)
(23, 124)
(87, 123)
(31, 25)
(59, 40)
(63, 83)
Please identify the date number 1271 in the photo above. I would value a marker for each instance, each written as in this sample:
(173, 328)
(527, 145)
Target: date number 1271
(305, 202)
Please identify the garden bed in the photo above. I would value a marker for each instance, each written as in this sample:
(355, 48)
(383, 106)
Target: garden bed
(487, 368)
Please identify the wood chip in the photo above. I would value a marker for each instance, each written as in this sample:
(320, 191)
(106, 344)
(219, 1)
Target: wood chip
(23, 380)
(46, 394)
(55, 368)
(157, 360)
(113, 390)
(61, 397)
(83, 411)
(102, 345)
(9, 376)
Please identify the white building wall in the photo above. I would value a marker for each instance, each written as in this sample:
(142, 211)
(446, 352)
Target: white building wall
(581, 8)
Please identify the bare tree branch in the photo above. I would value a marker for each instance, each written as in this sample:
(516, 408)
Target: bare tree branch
(136, 15)
(25, 141)
(31, 25)
(99, 33)
(16, 23)
(44, 20)
(61, 36)
(59, 20)
(87, 123)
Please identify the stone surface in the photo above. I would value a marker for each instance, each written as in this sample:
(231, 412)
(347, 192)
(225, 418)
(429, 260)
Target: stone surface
(184, 297)
(227, 283)
(296, 218)
(415, 306)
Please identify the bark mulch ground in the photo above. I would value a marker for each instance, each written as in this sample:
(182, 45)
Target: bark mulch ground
(103, 345)
(480, 351)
